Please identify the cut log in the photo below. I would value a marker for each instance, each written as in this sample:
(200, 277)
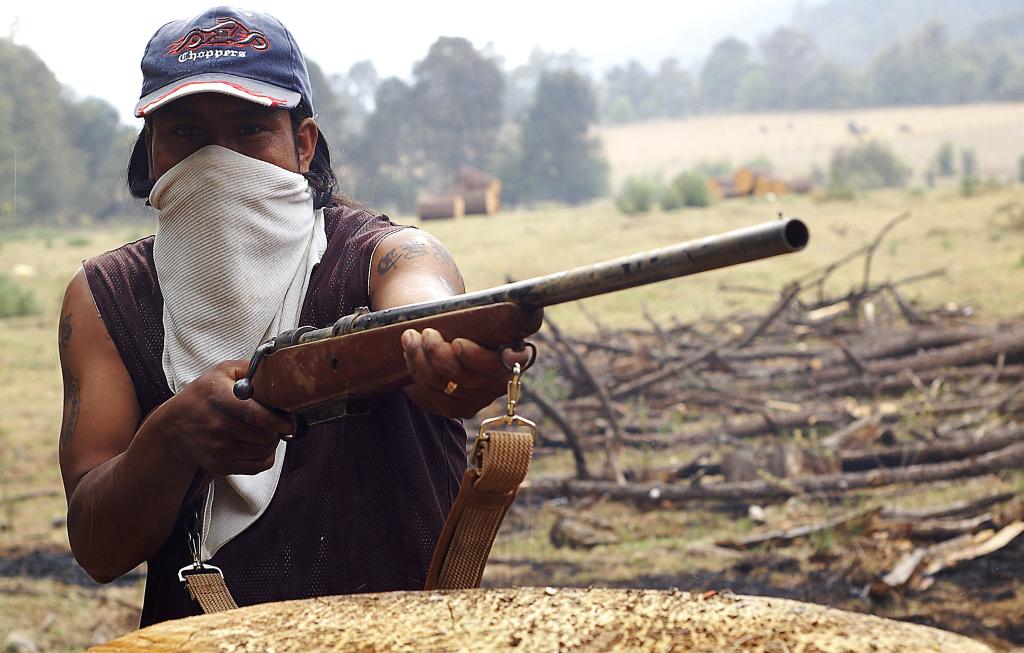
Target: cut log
(482, 201)
(765, 184)
(470, 178)
(956, 509)
(764, 491)
(917, 454)
(985, 349)
(743, 182)
(800, 185)
(534, 619)
(442, 206)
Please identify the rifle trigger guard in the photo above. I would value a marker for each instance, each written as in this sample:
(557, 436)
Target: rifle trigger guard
(517, 347)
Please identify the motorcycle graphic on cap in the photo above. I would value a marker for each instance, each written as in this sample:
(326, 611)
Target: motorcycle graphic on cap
(227, 32)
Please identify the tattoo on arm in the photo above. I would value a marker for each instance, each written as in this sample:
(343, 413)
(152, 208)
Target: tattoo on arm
(72, 403)
(65, 331)
(388, 261)
(410, 251)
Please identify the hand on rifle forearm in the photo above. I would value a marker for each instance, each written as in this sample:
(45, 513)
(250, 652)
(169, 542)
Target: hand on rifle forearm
(456, 378)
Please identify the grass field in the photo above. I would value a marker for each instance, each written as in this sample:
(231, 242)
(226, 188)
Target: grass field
(981, 249)
(796, 141)
(978, 240)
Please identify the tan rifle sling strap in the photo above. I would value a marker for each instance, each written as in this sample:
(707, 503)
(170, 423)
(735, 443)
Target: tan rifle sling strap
(207, 588)
(501, 457)
(484, 497)
(204, 582)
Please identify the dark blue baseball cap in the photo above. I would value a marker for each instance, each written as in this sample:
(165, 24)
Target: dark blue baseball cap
(247, 54)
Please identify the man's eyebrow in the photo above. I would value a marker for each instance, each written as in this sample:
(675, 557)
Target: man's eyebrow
(176, 113)
(255, 113)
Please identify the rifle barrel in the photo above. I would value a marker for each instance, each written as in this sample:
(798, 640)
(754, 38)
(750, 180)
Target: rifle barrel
(680, 260)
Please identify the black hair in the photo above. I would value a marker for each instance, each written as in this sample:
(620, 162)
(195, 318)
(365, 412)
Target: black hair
(321, 177)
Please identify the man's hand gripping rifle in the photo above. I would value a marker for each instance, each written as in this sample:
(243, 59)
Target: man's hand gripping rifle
(316, 374)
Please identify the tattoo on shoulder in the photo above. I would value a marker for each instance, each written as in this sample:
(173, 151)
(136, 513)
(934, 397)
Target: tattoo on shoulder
(65, 331)
(410, 251)
(72, 404)
(388, 261)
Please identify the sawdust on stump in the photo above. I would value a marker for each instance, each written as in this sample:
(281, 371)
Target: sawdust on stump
(540, 620)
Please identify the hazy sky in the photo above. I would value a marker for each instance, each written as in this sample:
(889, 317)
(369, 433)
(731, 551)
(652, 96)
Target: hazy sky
(95, 47)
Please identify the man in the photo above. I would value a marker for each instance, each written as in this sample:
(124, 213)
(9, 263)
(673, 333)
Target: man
(251, 241)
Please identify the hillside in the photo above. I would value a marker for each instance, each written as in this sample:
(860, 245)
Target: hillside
(796, 141)
(854, 31)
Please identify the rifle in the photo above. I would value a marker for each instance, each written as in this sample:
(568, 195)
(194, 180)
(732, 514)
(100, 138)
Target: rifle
(317, 373)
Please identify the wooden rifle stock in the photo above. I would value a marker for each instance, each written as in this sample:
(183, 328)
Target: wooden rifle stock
(314, 372)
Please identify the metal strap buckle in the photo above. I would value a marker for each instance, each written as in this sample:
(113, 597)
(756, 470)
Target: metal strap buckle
(509, 419)
(198, 568)
(195, 545)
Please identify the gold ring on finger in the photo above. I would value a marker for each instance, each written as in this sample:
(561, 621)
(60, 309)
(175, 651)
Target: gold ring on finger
(451, 388)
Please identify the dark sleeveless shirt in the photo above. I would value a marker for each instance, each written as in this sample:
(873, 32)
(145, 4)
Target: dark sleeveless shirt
(360, 502)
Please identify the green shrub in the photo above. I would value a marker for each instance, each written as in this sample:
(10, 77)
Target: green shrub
(968, 163)
(944, 160)
(720, 168)
(837, 191)
(687, 189)
(15, 300)
(969, 182)
(760, 163)
(639, 194)
(868, 165)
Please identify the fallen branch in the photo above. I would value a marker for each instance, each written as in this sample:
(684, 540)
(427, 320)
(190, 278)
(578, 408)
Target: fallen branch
(761, 491)
(916, 570)
(850, 519)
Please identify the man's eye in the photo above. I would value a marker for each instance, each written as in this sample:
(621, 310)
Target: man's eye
(184, 131)
(250, 130)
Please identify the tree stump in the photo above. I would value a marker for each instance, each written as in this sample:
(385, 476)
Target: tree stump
(540, 620)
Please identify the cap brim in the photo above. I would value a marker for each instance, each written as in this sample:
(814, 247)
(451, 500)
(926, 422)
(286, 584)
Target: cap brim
(261, 93)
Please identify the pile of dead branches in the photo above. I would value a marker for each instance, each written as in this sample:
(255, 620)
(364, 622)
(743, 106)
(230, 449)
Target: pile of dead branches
(820, 395)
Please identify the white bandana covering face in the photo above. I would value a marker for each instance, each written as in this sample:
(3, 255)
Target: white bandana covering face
(236, 241)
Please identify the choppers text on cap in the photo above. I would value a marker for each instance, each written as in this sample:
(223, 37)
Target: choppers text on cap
(247, 54)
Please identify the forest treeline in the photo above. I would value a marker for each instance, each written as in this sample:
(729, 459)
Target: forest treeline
(61, 158)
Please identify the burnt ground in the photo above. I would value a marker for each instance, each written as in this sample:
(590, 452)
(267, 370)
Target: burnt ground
(54, 565)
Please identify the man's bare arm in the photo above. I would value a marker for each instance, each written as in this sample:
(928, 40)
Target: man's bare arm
(412, 266)
(125, 481)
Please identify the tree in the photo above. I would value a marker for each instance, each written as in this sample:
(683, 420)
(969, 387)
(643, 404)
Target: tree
(330, 111)
(673, 89)
(457, 96)
(419, 135)
(521, 81)
(104, 143)
(722, 73)
(355, 90)
(630, 93)
(791, 60)
(64, 156)
(385, 157)
(559, 159)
